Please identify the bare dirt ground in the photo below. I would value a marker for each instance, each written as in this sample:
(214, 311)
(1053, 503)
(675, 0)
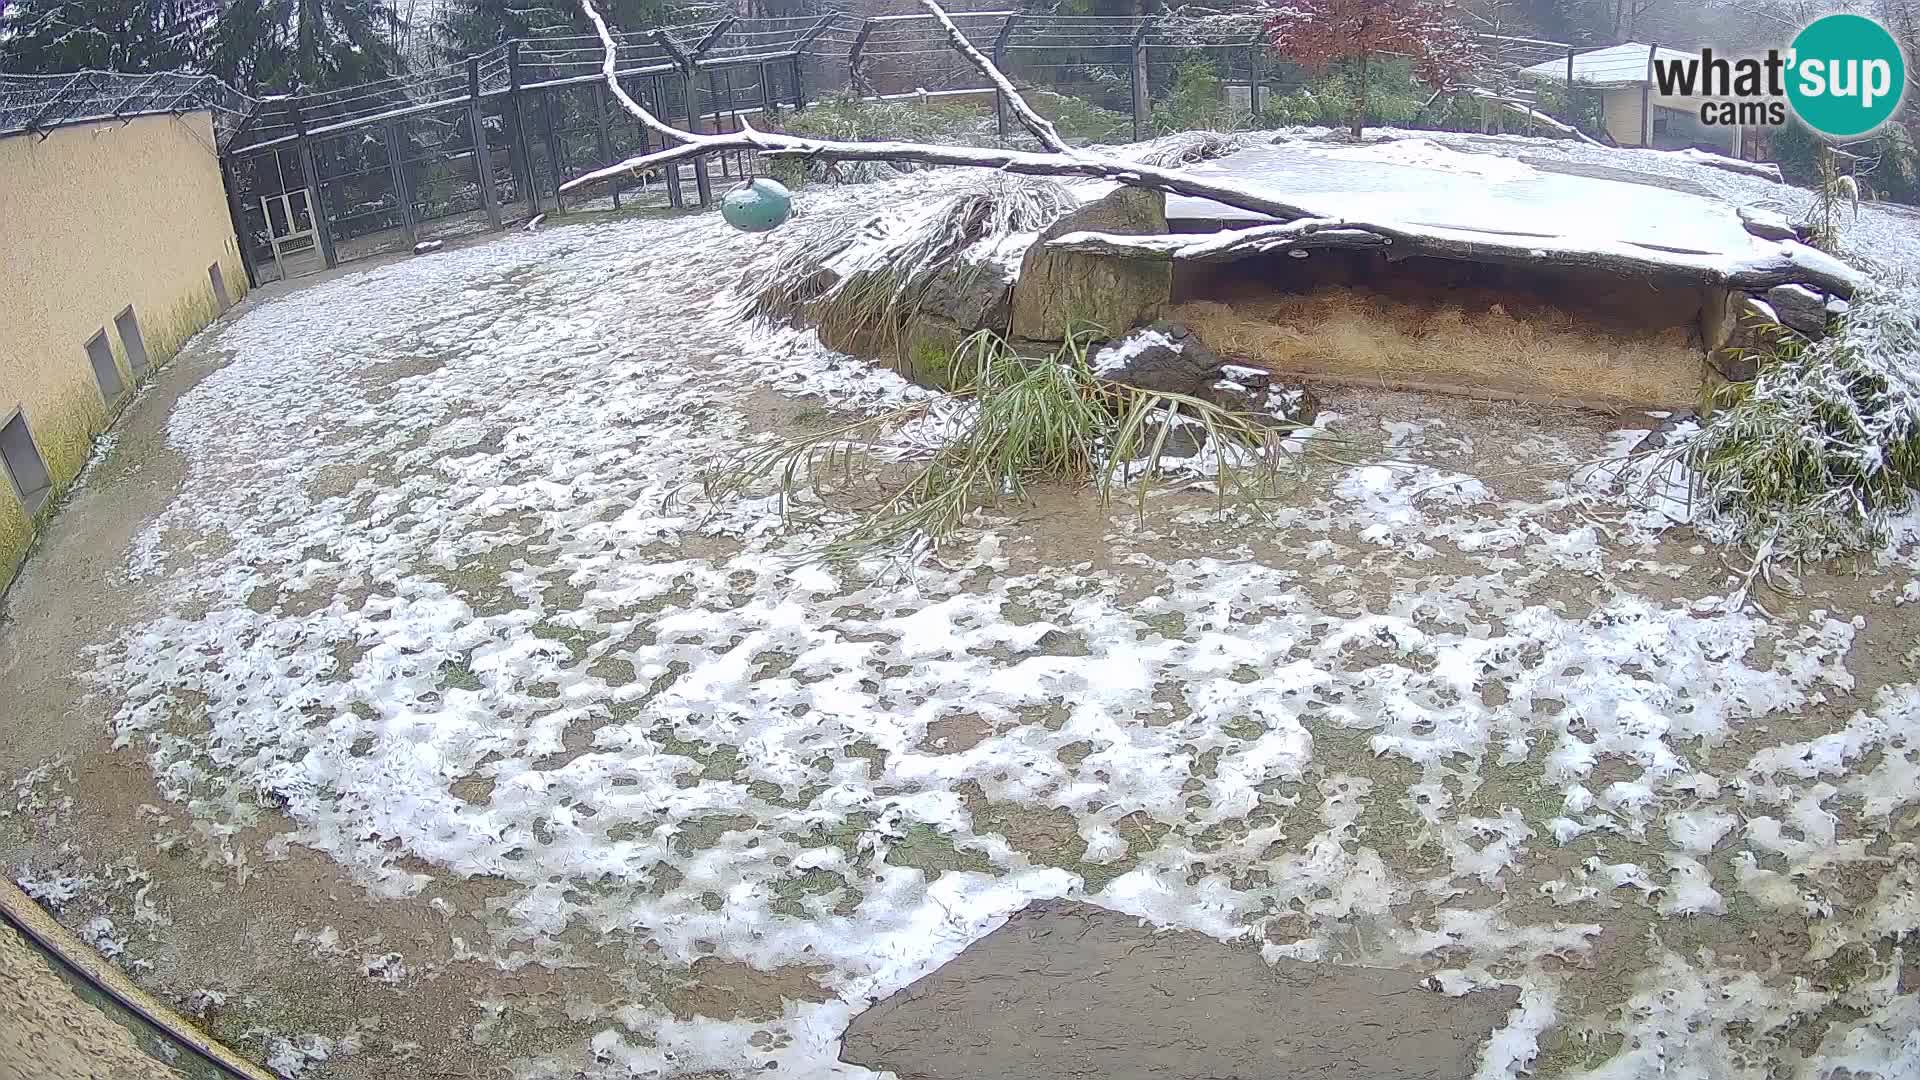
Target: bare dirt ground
(386, 698)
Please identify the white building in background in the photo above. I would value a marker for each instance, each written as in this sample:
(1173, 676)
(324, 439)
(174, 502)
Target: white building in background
(1632, 109)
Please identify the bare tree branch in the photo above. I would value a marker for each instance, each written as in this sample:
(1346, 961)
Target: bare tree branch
(1041, 127)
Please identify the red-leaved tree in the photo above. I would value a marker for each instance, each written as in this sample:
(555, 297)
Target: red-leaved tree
(1317, 34)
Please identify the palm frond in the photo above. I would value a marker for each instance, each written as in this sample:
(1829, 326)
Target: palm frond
(1016, 422)
(851, 277)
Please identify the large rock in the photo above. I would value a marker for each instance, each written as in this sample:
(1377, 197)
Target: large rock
(1068, 990)
(1058, 290)
(1167, 358)
(1251, 390)
(965, 296)
(1164, 358)
(1799, 308)
(927, 345)
(1738, 332)
(970, 295)
(1768, 224)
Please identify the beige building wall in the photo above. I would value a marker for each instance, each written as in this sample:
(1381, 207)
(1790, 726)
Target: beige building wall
(93, 218)
(1620, 115)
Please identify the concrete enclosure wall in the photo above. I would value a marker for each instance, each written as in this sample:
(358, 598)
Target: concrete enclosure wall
(94, 219)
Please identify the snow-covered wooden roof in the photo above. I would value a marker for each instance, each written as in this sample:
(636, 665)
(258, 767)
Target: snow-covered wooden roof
(1616, 65)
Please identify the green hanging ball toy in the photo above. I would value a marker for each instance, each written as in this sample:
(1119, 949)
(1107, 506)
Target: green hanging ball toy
(757, 206)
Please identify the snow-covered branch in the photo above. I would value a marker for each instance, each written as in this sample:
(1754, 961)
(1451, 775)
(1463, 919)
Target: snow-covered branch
(1528, 112)
(1041, 127)
(608, 68)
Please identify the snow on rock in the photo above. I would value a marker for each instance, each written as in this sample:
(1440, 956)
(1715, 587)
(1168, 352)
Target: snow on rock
(1427, 154)
(1119, 355)
(1799, 308)
(1766, 170)
(1765, 223)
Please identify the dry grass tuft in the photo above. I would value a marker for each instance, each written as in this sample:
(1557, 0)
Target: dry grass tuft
(1362, 333)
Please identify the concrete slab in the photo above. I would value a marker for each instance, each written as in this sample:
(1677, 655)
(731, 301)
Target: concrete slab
(1067, 989)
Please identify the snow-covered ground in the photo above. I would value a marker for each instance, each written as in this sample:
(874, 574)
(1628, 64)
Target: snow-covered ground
(444, 594)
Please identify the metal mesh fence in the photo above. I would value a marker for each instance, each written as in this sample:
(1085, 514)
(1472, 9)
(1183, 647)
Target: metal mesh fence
(1094, 59)
(392, 161)
(45, 102)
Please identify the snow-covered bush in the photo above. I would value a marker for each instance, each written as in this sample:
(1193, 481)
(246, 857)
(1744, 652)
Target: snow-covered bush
(1817, 453)
(851, 276)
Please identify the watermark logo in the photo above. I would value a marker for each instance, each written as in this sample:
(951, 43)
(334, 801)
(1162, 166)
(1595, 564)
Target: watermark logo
(1843, 77)
(1848, 75)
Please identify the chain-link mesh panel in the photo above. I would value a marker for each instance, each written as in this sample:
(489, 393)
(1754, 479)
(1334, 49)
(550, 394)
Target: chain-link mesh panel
(44, 102)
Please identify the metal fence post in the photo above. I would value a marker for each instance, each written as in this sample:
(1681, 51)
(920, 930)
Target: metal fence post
(556, 153)
(690, 86)
(769, 101)
(230, 179)
(482, 164)
(1571, 112)
(600, 135)
(675, 197)
(652, 101)
(800, 54)
(316, 198)
(402, 191)
(518, 157)
(1255, 56)
(856, 81)
(702, 183)
(1646, 100)
(1000, 60)
(1142, 86)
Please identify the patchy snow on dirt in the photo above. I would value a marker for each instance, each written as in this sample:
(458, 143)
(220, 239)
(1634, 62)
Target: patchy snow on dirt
(446, 597)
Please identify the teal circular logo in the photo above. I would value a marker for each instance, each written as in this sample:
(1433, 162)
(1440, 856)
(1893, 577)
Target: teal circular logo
(1846, 76)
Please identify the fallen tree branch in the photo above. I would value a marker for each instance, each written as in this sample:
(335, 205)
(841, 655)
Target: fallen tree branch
(1534, 115)
(1765, 170)
(1782, 262)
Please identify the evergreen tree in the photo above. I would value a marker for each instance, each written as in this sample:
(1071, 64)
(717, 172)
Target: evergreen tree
(46, 36)
(303, 45)
(467, 27)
